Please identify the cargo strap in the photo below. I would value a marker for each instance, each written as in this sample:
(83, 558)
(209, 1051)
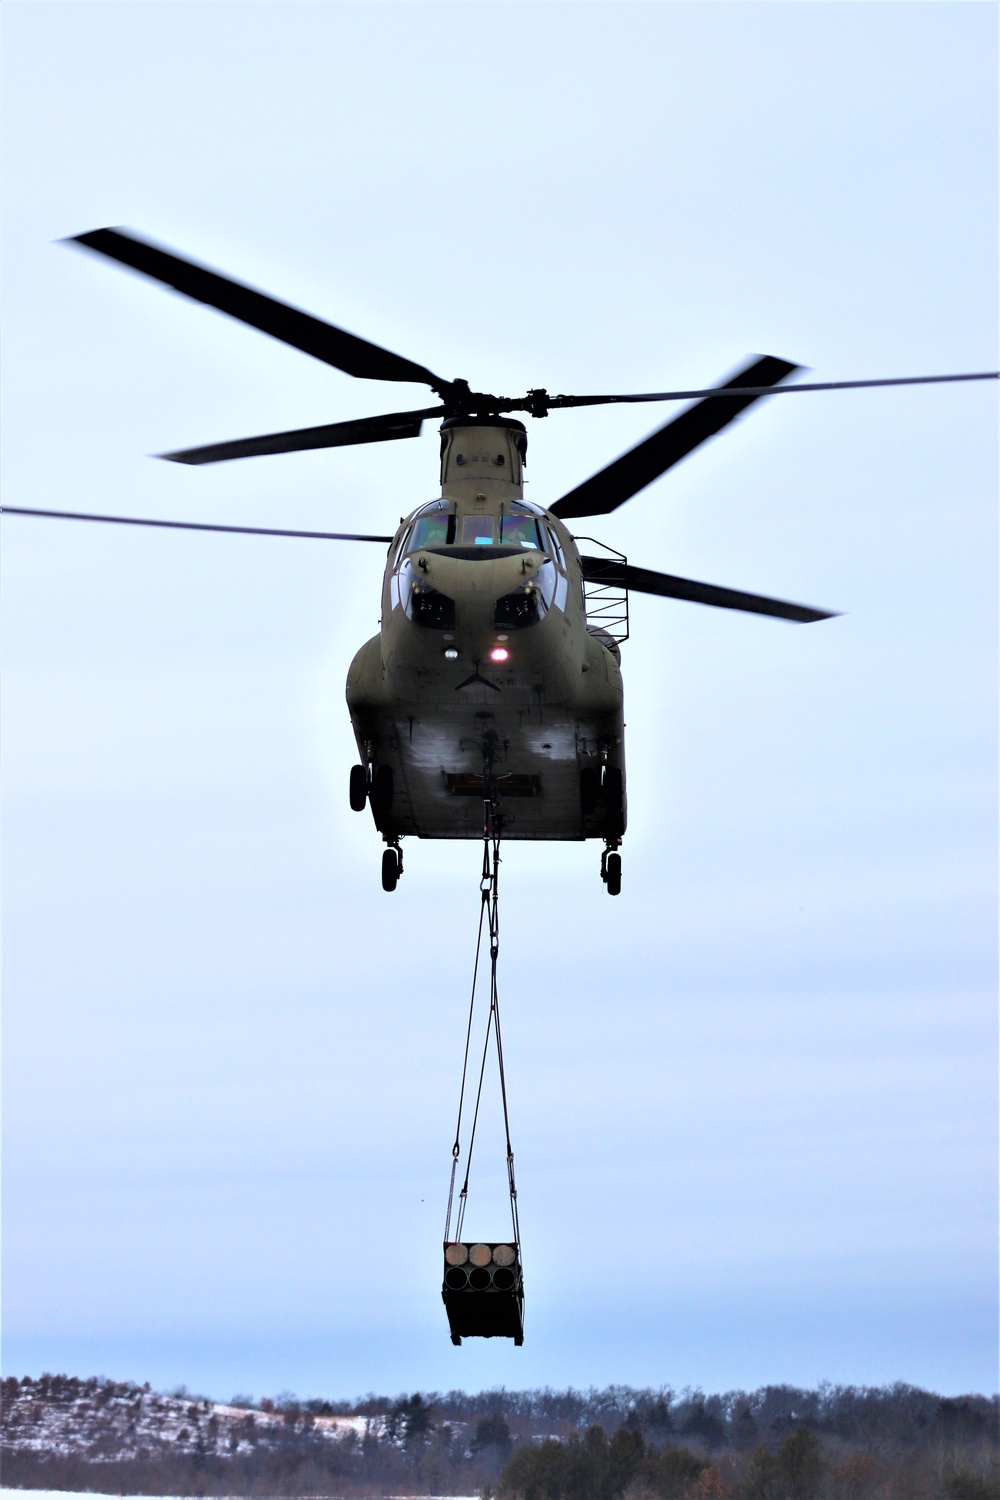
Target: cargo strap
(489, 917)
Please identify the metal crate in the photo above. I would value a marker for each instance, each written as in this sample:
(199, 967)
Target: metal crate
(483, 1290)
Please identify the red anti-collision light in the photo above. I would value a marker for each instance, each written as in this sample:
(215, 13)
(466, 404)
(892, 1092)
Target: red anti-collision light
(499, 653)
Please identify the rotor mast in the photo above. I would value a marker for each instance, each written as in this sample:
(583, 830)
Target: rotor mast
(482, 458)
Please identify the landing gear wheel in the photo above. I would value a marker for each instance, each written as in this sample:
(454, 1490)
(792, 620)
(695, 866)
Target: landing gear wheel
(614, 874)
(588, 791)
(614, 802)
(390, 869)
(359, 788)
(381, 792)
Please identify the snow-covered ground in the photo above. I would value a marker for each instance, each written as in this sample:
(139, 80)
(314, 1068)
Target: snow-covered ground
(8, 1494)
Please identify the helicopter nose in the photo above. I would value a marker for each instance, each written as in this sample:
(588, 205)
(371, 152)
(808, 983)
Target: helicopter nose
(486, 578)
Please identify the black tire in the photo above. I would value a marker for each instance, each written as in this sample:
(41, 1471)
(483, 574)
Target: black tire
(390, 870)
(359, 788)
(614, 802)
(381, 791)
(614, 874)
(588, 791)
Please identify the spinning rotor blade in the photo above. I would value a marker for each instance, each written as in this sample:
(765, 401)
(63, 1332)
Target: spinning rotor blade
(79, 515)
(558, 403)
(645, 581)
(612, 486)
(345, 351)
(403, 424)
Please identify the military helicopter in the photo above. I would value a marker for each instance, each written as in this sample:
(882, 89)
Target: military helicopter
(495, 680)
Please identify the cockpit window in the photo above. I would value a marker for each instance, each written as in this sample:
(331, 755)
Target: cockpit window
(434, 529)
(477, 531)
(520, 531)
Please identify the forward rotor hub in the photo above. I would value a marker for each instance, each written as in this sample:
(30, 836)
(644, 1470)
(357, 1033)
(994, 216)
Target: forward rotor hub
(461, 401)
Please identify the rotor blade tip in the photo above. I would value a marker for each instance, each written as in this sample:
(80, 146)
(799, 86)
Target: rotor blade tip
(86, 234)
(178, 457)
(793, 362)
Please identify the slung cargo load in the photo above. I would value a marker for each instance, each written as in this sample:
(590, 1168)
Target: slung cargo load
(483, 1291)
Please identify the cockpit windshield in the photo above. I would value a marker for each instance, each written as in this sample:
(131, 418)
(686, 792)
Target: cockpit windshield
(520, 531)
(433, 529)
(477, 531)
(518, 527)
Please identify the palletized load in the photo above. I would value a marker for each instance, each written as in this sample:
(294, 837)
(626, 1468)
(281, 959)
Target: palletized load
(483, 1291)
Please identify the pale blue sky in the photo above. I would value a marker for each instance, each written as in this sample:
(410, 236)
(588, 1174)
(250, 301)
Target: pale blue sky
(754, 1098)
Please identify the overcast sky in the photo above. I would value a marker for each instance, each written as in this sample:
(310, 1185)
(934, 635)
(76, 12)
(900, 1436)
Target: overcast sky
(753, 1099)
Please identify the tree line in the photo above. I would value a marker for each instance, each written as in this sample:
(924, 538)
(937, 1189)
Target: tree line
(616, 1443)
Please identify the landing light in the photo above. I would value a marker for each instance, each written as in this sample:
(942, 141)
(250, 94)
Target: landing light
(451, 653)
(499, 653)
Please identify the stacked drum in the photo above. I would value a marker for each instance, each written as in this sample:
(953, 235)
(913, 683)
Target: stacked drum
(483, 1291)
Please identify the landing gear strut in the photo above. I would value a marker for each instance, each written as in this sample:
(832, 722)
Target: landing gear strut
(611, 867)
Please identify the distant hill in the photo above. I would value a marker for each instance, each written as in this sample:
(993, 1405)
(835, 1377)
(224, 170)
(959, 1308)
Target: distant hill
(102, 1421)
(777, 1443)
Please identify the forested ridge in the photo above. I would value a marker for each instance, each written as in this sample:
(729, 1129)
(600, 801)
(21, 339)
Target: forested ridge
(619, 1443)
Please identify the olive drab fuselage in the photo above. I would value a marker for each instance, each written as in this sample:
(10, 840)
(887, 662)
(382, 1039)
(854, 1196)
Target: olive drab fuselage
(484, 677)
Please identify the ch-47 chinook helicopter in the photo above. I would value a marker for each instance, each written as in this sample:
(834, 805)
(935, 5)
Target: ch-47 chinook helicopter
(496, 675)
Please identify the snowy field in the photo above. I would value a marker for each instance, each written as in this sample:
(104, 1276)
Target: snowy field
(81, 1495)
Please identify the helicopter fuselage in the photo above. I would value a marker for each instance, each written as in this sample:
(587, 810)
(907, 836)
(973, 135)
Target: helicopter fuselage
(488, 701)
(485, 681)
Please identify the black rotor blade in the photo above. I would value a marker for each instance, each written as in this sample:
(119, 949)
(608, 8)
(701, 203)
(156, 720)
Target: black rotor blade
(345, 351)
(645, 581)
(612, 486)
(79, 515)
(716, 392)
(403, 424)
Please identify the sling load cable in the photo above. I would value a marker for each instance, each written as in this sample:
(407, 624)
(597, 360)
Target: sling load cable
(456, 1149)
(484, 1302)
(489, 909)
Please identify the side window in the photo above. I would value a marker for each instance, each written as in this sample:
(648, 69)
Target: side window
(531, 602)
(557, 550)
(421, 603)
(548, 583)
